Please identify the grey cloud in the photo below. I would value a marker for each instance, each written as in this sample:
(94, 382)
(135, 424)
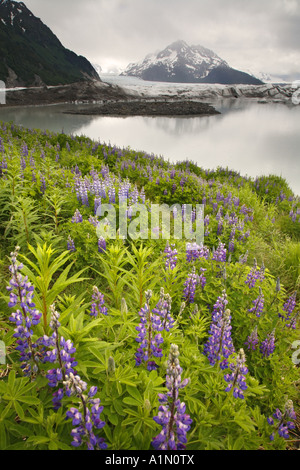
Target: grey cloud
(254, 33)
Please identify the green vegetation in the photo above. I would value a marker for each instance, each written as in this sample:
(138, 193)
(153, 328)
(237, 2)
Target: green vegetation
(92, 301)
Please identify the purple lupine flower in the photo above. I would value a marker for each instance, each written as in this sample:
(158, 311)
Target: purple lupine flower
(170, 256)
(171, 412)
(149, 345)
(190, 286)
(97, 206)
(77, 217)
(262, 272)
(23, 163)
(284, 424)
(243, 258)
(87, 422)
(292, 323)
(258, 305)
(278, 286)
(83, 193)
(43, 184)
(163, 310)
(253, 276)
(93, 220)
(220, 253)
(111, 195)
(288, 307)
(194, 251)
(58, 351)
(220, 227)
(215, 206)
(202, 278)
(24, 150)
(219, 345)
(101, 245)
(267, 346)
(191, 251)
(252, 340)
(71, 244)
(26, 316)
(98, 306)
(231, 247)
(236, 379)
(219, 307)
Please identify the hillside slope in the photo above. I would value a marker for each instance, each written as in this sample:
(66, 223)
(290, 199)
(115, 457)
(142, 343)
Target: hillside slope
(31, 55)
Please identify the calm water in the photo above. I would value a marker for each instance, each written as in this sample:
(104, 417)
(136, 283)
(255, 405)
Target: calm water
(249, 137)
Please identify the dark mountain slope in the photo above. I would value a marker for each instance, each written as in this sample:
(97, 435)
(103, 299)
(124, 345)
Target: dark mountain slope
(30, 54)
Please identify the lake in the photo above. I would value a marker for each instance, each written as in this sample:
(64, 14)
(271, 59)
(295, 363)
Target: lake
(252, 138)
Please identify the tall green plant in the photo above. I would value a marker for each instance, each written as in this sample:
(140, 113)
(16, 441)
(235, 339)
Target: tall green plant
(143, 274)
(24, 220)
(47, 276)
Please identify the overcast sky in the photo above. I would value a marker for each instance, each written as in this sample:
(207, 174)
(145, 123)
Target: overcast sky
(260, 35)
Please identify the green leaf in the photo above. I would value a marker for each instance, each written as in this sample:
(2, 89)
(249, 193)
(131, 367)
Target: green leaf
(137, 428)
(3, 437)
(6, 410)
(245, 423)
(11, 379)
(131, 401)
(37, 440)
(133, 391)
(52, 445)
(19, 410)
(28, 400)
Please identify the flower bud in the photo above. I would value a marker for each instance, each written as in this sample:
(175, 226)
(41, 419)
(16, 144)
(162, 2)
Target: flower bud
(124, 309)
(147, 405)
(111, 366)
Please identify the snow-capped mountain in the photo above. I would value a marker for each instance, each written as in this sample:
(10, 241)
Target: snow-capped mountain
(182, 63)
(30, 54)
(176, 59)
(266, 77)
(110, 69)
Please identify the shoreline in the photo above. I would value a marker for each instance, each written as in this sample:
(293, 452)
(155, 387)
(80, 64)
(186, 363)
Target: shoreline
(151, 108)
(108, 99)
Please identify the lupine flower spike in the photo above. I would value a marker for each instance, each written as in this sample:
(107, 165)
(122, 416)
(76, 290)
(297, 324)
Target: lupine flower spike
(59, 351)
(98, 307)
(87, 422)
(163, 309)
(236, 379)
(149, 342)
(288, 308)
(258, 304)
(190, 286)
(252, 340)
(101, 245)
(267, 346)
(25, 317)
(71, 244)
(171, 412)
(219, 345)
(170, 256)
(284, 424)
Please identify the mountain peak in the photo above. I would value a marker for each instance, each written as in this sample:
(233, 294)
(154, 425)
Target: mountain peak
(182, 63)
(178, 45)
